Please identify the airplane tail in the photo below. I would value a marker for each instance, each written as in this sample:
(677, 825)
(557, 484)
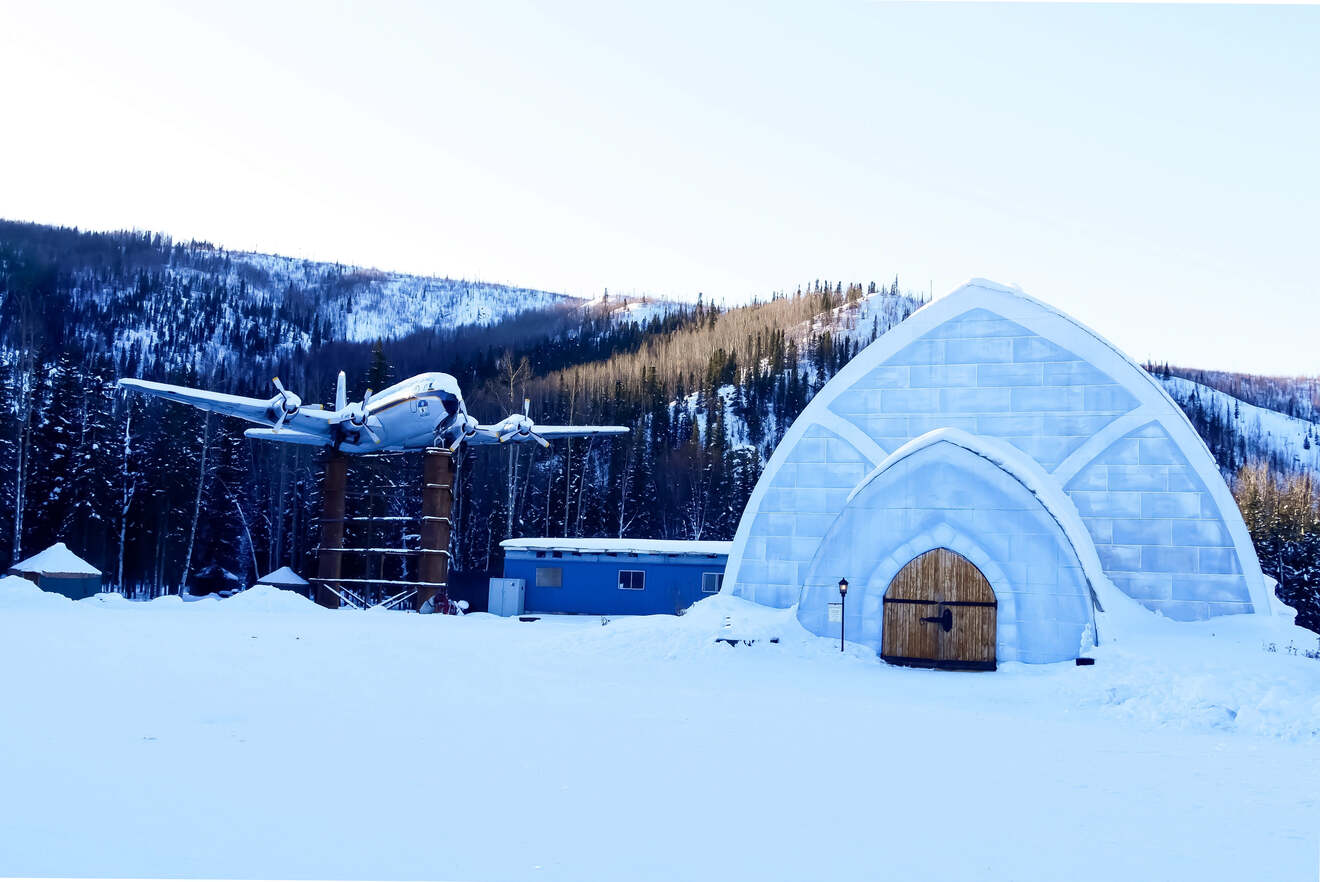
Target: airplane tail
(341, 392)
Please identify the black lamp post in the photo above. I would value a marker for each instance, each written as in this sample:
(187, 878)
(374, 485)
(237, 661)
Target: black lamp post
(843, 608)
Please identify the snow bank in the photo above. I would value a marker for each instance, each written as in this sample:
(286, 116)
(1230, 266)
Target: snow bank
(168, 600)
(1233, 675)
(760, 635)
(108, 599)
(1247, 674)
(268, 598)
(1151, 764)
(698, 632)
(17, 593)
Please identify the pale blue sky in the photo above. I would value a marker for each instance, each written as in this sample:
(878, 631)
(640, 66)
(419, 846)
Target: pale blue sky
(1150, 169)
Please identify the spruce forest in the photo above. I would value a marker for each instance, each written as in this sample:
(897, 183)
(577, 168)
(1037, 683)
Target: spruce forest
(155, 494)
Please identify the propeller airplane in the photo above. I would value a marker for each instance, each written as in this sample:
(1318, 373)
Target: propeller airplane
(423, 411)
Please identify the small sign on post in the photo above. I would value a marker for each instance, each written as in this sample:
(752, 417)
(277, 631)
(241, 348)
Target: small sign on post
(835, 613)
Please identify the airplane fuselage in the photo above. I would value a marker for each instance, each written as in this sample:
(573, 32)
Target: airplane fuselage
(422, 411)
(409, 414)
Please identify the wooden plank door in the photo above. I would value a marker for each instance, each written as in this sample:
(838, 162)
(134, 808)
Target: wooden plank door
(970, 642)
(913, 595)
(940, 611)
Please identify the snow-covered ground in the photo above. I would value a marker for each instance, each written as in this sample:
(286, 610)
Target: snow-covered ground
(262, 737)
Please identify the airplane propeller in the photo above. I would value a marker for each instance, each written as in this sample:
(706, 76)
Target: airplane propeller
(465, 430)
(520, 426)
(286, 401)
(357, 416)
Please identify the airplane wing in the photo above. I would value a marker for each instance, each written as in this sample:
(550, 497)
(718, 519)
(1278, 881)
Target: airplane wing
(288, 436)
(309, 420)
(253, 410)
(536, 432)
(578, 431)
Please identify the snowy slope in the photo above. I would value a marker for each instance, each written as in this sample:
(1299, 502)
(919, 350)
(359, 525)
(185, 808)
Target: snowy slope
(387, 305)
(858, 324)
(163, 306)
(1266, 431)
(263, 737)
(635, 308)
(355, 303)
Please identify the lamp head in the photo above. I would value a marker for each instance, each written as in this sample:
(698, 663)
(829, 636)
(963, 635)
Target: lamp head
(843, 587)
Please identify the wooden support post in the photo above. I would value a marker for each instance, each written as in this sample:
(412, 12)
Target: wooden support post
(329, 562)
(437, 503)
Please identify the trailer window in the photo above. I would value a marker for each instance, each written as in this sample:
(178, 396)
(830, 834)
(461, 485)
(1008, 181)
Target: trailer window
(632, 580)
(549, 577)
(711, 583)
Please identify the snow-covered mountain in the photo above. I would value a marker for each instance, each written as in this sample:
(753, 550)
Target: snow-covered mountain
(1250, 432)
(1294, 396)
(359, 304)
(158, 306)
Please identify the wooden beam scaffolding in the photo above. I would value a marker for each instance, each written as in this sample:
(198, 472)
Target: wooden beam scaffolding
(437, 497)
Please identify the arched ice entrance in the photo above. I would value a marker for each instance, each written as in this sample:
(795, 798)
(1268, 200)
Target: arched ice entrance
(987, 504)
(940, 612)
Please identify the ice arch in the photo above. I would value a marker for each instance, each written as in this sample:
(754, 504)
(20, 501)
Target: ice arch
(985, 501)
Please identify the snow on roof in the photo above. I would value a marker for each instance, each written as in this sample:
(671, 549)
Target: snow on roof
(282, 576)
(57, 559)
(215, 571)
(620, 546)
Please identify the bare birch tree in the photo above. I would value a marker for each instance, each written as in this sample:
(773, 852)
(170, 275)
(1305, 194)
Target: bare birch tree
(197, 505)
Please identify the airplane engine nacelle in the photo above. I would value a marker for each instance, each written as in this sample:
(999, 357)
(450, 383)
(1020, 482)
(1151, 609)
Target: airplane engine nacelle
(463, 429)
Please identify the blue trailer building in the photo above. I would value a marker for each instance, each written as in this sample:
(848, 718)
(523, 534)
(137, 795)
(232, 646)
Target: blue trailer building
(615, 576)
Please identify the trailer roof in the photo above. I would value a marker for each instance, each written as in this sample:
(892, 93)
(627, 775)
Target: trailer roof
(701, 548)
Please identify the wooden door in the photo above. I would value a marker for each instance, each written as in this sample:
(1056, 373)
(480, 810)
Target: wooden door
(940, 612)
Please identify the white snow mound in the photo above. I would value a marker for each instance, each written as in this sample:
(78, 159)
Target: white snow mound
(706, 628)
(19, 593)
(107, 598)
(268, 598)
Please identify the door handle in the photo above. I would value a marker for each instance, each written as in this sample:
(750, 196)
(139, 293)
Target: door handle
(944, 619)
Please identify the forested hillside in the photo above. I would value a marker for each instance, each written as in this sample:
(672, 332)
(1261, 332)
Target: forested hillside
(1239, 433)
(1271, 459)
(152, 492)
(1292, 396)
(151, 306)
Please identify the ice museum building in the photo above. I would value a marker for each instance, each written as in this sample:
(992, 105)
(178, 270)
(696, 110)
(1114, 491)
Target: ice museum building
(985, 476)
